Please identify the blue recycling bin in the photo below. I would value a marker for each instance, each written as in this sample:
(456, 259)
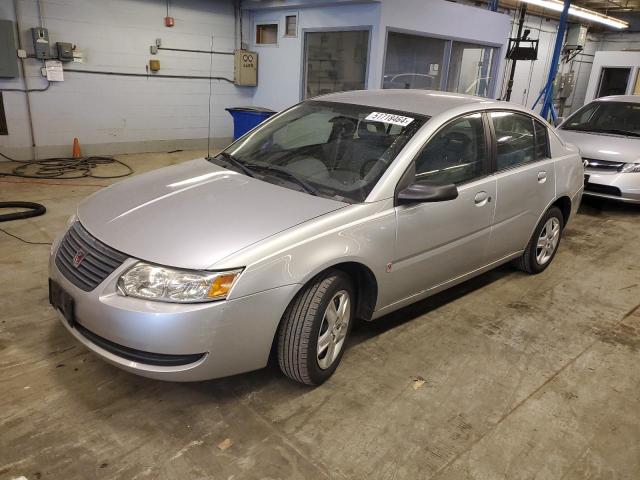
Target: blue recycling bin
(246, 118)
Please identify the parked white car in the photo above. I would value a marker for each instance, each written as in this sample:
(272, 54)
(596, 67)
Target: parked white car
(607, 132)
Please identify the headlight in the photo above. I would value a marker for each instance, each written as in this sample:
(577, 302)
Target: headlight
(163, 284)
(630, 168)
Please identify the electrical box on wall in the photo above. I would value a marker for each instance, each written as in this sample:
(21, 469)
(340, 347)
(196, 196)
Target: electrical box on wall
(65, 51)
(8, 58)
(576, 37)
(245, 68)
(40, 38)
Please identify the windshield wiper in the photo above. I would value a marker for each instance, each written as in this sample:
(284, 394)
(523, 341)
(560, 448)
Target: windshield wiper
(291, 176)
(236, 163)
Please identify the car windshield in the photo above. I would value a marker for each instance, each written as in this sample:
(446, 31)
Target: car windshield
(333, 150)
(620, 118)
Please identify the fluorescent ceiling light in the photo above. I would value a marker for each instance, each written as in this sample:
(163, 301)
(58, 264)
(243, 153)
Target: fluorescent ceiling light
(580, 12)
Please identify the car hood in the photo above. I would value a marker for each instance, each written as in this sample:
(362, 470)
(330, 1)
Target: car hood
(194, 214)
(599, 146)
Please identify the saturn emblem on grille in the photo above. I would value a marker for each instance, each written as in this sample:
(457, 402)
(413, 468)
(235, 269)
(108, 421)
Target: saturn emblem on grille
(78, 258)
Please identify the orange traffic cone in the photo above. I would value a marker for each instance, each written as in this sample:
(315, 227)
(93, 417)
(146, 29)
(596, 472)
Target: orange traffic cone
(76, 149)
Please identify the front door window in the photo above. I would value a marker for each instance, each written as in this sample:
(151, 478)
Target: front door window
(456, 154)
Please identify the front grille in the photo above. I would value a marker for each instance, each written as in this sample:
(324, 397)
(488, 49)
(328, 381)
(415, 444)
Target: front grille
(603, 164)
(160, 359)
(84, 260)
(604, 189)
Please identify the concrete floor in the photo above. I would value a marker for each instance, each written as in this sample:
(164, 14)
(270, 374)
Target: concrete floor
(525, 377)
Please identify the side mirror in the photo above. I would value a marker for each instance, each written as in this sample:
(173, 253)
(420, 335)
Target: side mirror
(423, 192)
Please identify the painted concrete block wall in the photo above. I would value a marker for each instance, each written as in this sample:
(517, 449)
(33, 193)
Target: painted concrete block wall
(531, 75)
(280, 71)
(111, 114)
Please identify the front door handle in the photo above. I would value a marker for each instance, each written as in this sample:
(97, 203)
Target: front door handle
(482, 198)
(542, 176)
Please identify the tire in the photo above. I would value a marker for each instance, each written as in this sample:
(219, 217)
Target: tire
(306, 319)
(533, 260)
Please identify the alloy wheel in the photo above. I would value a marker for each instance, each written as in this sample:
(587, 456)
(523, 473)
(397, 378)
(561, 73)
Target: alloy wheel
(548, 241)
(333, 329)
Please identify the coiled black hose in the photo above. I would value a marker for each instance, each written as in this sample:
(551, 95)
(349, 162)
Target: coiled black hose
(33, 210)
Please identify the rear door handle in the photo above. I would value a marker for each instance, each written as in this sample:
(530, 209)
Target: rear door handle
(481, 198)
(542, 176)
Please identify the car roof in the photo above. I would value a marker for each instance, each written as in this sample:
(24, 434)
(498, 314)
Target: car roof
(421, 102)
(620, 98)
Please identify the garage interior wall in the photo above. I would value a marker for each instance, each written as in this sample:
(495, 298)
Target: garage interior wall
(112, 114)
(280, 71)
(531, 76)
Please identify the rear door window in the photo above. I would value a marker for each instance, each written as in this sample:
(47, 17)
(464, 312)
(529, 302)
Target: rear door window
(515, 138)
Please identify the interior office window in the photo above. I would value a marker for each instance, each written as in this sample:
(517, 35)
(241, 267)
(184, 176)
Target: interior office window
(471, 69)
(457, 153)
(335, 61)
(542, 141)
(613, 81)
(291, 25)
(267, 34)
(515, 138)
(413, 61)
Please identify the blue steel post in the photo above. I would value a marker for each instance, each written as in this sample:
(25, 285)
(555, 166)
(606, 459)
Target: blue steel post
(547, 91)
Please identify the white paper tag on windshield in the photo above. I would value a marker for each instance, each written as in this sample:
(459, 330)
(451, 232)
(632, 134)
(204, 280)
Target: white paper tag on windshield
(389, 118)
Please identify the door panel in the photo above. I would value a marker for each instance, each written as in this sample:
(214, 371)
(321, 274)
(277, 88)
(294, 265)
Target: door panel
(523, 195)
(440, 241)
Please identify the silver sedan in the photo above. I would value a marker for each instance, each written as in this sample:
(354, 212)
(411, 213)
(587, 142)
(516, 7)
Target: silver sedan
(607, 132)
(344, 207)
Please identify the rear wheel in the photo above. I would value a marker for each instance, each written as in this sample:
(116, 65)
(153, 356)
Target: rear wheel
(315, 328)
(544, 243)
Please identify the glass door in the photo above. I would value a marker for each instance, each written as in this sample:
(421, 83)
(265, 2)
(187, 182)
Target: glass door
(413, 61)
(335, 61)
(470, 69)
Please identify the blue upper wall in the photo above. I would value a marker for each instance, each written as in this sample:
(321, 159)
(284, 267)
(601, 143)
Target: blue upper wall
(280, 66)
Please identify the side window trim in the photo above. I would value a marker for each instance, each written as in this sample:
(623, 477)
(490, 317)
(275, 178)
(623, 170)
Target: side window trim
(547, 152)
(487, 164)
(492, 144)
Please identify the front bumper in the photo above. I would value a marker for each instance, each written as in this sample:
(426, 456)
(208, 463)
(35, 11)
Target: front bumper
(226, 337)
(623, 187)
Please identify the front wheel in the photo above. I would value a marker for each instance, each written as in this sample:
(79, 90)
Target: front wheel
(544, 243)
(315, 328)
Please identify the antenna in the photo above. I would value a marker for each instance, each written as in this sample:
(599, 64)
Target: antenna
(210, 95)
